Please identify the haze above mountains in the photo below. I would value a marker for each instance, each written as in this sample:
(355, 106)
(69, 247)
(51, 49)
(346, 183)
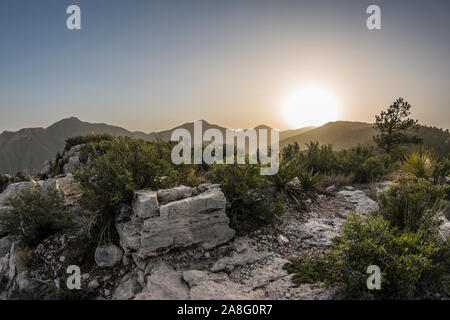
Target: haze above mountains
(27, 149)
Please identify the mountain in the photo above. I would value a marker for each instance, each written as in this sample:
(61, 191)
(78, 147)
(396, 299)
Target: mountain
(341, 134)
(27, 149)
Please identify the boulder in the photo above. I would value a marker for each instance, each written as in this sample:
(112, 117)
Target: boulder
(5, 246)
(363, 204)
(145, 204)
(14, 189)
(127, 288)
(108, 256)
(154, 228)
(174, 194)
(317, 232)
(72, 165)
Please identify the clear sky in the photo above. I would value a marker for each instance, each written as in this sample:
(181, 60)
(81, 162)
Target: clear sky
(151, 65)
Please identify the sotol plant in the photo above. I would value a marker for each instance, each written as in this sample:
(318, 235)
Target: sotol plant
(420, 163)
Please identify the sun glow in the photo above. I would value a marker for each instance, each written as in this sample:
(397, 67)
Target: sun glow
(311, 106)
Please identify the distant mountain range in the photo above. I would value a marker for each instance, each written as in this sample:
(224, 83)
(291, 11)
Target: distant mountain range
(27, 149)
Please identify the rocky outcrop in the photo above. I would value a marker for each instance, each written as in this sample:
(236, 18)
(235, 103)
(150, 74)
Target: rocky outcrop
(191, 217)
(363, 204)
(108, 256)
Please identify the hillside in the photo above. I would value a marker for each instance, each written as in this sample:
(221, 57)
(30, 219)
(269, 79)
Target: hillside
(27, 149)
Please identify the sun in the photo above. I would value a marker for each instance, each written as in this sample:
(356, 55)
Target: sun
(311, 106)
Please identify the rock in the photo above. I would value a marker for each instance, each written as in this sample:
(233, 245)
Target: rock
(317, 232)
(349, 188)
(108, 256)
(127, 289)
(145, 204)
(93, 285)
(14, 189)
(69, 188)
(363, 204)
(174, 194)
(5, 246)
(46, 169)
(73, 165)
(207, 186)
(164, 283)
(294, 182)
(444, 229)
(199, 220)
(282, 240)
(245, 254)
(331, 188)
(107, 293)
(383, 186)
(207, 255)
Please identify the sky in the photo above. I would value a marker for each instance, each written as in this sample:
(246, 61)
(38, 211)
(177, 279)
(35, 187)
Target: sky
(152, 65)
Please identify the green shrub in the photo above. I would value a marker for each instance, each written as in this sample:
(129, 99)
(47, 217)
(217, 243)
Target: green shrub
(92, 138)
(287, 171)
(412, 264)
(420, 163)
(413, 205)
(247, 203)
(36, 215)
(125, 165)
(320, 158)
(364, 163)
(309, 180)
(442, 168)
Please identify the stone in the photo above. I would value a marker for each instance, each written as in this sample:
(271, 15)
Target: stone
(174, 194)
(145, 204)
(108, 256)
(15, 189)
(383, 186)
(93, 285)
(73, 165)
(363, 204)
(164, 283)
(198, 220)
(5, 246)
(127, 289)
(69, 188)
(317, 232)
(46, 168)
(282, 240)
(349, 188)
(444, 228)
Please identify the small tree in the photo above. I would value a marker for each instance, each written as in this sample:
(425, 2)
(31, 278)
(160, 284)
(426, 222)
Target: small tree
(393, 126)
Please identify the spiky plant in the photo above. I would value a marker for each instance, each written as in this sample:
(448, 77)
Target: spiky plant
(309, 180)
(420, 163)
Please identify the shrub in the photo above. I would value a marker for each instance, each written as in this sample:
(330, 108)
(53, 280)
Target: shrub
(442, 168)
(36, 215)
(247, 203)
(364, 163)
(3, 182)
(320, 158)
(92, 138)
(413, 205)
(287, 171)
(125, 165)
(420, 163)
(308, 180)
(412, 264)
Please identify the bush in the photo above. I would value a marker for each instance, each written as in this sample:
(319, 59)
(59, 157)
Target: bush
(3, 182)
(247, 203)
(92, 138)
(320, 158)
(364, 163)
(308, 180)
(420, 163)
(122, 166)
(412, 264)
(413, 205)
(36, 215)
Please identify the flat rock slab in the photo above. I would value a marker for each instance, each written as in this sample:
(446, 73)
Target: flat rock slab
(363, 204)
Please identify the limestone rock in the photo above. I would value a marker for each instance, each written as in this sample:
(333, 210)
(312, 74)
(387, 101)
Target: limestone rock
(72, 165)
(14, 189)
(197, 220)
(317, 232)
(174, 194)
(108, 256)
(5, 246)
(164, 283)
(145, 204)
(127, 288)
(363, 204)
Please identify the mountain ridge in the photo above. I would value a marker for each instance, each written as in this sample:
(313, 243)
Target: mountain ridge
(28, 148)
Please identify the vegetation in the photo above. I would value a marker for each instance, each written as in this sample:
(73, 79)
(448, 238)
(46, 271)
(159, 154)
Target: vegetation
(36, 215)
(3, 182)
(413, 205)
(420, 163)
(247, 203)
(393, 126)
(412, 264)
